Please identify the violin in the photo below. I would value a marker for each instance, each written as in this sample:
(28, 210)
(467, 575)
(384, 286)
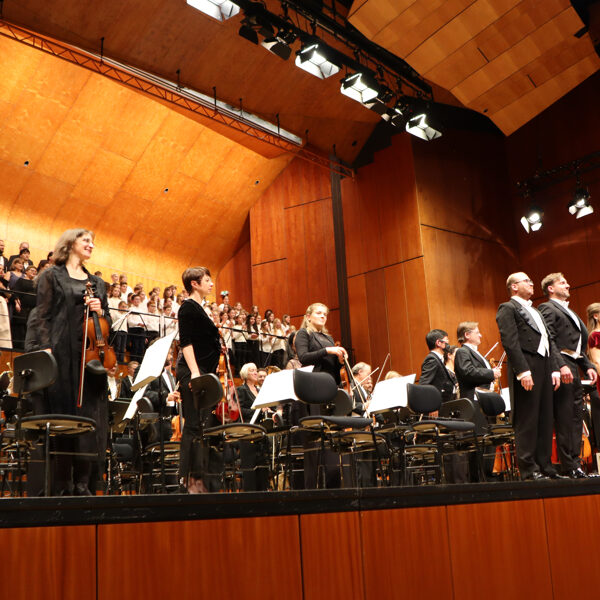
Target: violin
(96, 331)
(95, 346)
(226, 411)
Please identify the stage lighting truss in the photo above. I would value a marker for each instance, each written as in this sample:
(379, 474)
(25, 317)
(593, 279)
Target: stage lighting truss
(217, 9)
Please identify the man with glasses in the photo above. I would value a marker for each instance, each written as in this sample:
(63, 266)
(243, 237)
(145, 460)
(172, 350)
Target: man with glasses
(534, 364)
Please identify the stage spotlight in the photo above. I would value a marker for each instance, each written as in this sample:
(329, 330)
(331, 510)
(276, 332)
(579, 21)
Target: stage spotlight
(532, 221)
(414, 114)
(316, 58)
(217, 9)
(580, 205)
(362, 87)
(280, 43)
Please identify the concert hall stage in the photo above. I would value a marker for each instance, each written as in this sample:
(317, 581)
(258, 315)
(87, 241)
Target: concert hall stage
(498, 540)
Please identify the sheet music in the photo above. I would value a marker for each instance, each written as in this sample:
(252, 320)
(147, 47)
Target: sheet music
(506, 395)
(390, 393)
(153, 362)
(278, 388)
(131, 410)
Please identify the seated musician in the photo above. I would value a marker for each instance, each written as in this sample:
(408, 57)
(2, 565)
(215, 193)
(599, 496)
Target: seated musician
(253, 456)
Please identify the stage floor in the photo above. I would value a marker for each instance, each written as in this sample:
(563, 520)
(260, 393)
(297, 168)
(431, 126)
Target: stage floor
(36, 512)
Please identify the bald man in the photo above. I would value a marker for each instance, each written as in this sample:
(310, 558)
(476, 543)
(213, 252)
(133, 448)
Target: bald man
(534, 363)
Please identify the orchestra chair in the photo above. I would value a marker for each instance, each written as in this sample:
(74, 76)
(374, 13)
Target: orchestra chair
(34, 372)
(499, 438)
(447, 435)
(328, 416)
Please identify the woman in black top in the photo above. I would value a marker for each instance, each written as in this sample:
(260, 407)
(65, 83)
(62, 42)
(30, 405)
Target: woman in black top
(316, 347)
(200, 350)
(60, 309)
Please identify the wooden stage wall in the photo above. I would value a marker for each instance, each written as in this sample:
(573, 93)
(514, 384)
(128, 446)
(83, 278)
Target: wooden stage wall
(542, 548)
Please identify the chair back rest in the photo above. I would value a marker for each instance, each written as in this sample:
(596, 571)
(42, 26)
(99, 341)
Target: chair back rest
(423, 399)
(492, 404)
(314, 388)
(34, 371)
(462, 409)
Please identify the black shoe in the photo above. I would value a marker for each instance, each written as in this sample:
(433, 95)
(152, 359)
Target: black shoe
(535, 476)
(81, 489)
(555, 475)
(578, 473)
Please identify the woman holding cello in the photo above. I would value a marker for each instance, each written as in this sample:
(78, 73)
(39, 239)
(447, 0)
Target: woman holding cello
(62, 297)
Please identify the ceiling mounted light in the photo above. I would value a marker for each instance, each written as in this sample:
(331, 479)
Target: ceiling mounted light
(317, 59)
(362, 87)
(280, 43)
(532, 221)
(217, 9)
(580, 205)
(414, 114)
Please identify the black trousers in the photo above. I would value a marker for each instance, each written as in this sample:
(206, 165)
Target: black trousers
(568, 418)
(532, 418)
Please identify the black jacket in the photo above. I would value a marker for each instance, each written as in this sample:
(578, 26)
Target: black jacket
(310, 347)
(433, 372)
(520, 336)
(471, 372)
(58, 330)
(565, 332)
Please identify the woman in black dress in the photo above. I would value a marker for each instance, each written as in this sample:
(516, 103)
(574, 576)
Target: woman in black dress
(200, 350)
(60, 309)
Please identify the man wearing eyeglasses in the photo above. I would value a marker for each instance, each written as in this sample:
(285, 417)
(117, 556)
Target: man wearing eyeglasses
(534, 364)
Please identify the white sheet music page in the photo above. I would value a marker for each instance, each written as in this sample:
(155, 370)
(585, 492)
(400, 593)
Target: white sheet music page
(278, 388)
(390, 393)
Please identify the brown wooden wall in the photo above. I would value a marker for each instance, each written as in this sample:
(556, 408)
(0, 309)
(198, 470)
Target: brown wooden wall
(428, 244)
(566, 131)
(543, 548)
(466, 228)
(384, 260)
(292, 244)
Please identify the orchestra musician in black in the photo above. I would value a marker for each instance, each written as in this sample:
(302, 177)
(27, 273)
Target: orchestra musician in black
(199, 471)
(58, 325)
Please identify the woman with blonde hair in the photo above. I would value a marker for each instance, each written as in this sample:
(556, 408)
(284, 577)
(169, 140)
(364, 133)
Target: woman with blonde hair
(316, 347)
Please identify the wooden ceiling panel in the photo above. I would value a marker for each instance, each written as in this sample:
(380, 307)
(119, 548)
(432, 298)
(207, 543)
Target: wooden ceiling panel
(143, 120)
(13, 178)
(164, 37)
(457, 32)
(206, 156)
(496, 56)
(103, 178)
(17, 61)
(68, 153)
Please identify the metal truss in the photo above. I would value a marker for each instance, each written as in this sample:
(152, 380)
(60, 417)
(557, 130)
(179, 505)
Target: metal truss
(165, 91)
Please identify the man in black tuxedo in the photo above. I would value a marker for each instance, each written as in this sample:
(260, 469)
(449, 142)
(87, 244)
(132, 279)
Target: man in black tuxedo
(534, 364)
(471, 367)
(570, 335)
(433, 370)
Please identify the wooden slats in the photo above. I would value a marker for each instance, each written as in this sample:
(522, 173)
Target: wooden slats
(508, 59)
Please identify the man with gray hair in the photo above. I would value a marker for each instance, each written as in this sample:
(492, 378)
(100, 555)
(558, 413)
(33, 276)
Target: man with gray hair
(570, 335)
(533, 362)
